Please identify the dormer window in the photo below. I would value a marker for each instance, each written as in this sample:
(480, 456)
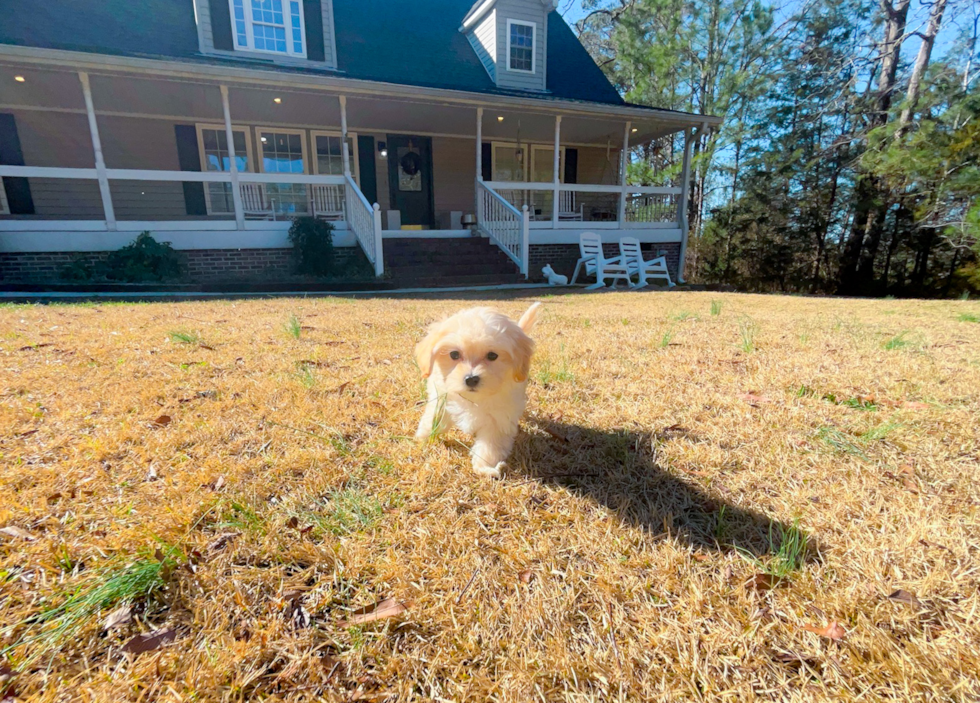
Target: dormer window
(520, 46)
(271, 26)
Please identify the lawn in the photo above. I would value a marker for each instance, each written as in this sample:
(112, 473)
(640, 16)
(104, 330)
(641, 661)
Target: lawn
(714, 496)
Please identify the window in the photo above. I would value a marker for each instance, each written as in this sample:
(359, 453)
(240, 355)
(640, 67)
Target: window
(329, 156)
(284, 151)
(4, 208)
(509, 164)
(520, 46)
(271, 26)
(213, 145)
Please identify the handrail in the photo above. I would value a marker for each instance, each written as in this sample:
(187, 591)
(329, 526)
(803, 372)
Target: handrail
(364, 220)
(506, 226)
(128, 174)
(581, 187)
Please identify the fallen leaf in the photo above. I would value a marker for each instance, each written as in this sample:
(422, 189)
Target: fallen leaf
(915, 405)
(205, 346)
(387, 608)
(755, 400)
(306, 530)
(701, 557)
(526, 576)
(764, 582)
(118, 617)
(221, 541)
(903, 596)
(14, 531)
(28, 433)
(162, 421)
(832, 630)
(679, 429)
(556, 435)
(54, 498)
(150, 641)
(293, 523)
(341, 388)
(219, 484)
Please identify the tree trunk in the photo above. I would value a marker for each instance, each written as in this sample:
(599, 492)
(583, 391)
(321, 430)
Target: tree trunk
(921, 64)
(857, 266)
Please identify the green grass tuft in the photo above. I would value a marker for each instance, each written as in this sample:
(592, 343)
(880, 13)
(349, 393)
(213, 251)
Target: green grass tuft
(185, 337)
(293, 328)
(715, 308)
(897, 342)
(747, 329)
(968, 317)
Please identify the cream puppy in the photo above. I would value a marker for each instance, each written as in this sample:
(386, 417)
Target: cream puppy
(477, 363)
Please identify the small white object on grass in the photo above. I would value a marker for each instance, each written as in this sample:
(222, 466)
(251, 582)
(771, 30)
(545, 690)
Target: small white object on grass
(554, 279)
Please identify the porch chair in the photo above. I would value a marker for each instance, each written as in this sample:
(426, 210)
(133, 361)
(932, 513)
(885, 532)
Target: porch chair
(566, 208)
(253, 201)
(630, 254)
(327, 202)
(596, 264)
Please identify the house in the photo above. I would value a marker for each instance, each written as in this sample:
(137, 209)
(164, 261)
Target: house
(212, 123)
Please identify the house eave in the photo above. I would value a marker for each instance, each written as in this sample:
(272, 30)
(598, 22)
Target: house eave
(211, 73)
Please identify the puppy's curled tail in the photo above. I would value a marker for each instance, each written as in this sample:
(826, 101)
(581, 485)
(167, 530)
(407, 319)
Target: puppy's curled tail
(529, 318)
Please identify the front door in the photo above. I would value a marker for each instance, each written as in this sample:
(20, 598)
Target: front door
(410, 178)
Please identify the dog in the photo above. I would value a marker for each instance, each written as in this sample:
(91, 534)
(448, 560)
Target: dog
(554, 279)
(477, 363)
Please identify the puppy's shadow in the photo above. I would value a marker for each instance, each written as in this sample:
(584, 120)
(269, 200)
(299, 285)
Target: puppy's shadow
(619, 470)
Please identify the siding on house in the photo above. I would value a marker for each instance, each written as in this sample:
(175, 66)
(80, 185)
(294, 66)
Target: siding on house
(205, 33)
(483, 37)
(524, 11)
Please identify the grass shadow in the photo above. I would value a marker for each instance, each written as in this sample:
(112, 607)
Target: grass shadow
(619, 469)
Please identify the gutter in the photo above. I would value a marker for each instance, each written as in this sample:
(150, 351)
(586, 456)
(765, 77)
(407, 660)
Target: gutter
(210, 73)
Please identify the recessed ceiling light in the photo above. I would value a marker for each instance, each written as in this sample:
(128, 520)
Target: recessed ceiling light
(634, 130)
(20, 79)
(277, 100)
(500, 118)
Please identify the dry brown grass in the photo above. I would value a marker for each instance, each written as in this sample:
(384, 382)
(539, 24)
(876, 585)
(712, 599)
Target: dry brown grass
(664, 449)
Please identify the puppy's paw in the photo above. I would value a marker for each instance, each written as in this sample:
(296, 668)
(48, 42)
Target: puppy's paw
(489, 471)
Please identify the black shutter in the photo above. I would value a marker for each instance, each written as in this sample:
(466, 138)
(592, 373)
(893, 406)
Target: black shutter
(368, 168)
(189, 158)
(18, 190)
(313, 17)
(571, 165)
(221, 25)
(487, 159)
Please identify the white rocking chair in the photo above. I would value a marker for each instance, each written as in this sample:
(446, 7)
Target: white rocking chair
(328, 202)
(567, 211)
(596, 264)
(253, 201)
(632, 256)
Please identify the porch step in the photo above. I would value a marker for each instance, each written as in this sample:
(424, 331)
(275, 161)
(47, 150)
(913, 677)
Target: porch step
(434, 262)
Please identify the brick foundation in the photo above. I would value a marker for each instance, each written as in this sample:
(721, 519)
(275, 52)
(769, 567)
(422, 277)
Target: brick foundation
(200, 266)
(563, 257)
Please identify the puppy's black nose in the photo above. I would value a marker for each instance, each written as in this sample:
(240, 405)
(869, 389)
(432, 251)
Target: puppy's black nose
(472, 381)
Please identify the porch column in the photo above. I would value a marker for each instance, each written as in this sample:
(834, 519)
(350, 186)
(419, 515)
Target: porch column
(93, 128)
(557, 174)
(343, 132)
(236, 189)
(479, 161)
(682, 206)
(623, 163)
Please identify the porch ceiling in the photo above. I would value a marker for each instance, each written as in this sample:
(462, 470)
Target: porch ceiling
(180, 98)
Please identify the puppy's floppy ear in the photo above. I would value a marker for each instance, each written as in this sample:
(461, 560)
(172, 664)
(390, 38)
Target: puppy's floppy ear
(528, 319)
(424, 349)
(523, 348)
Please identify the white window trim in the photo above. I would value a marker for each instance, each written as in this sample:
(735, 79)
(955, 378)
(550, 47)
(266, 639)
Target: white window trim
(250, 35)
(355, 161)
(204, 164)
(4, 207)
(510, 145)
(279, 130)
(535, 148)
(534, 46)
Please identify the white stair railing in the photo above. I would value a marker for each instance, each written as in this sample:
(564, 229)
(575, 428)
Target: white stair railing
(507, 227)
(365, 222)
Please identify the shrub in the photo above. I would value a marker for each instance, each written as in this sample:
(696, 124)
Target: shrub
(145, 259)
(312, 241)
(77, 271)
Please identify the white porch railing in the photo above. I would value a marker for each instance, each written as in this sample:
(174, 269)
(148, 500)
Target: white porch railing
(365, 222)
(506, 226)
(602, 206)
(328, 197)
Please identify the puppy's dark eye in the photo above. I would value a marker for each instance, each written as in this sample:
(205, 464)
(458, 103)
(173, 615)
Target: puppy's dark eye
(454, 355)
(492, 356)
